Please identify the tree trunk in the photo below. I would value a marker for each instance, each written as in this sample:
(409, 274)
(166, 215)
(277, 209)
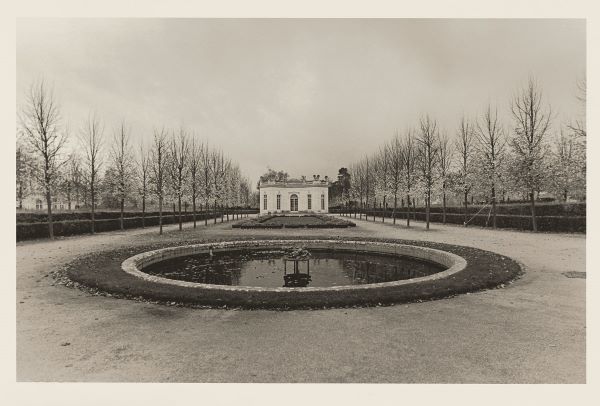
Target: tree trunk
(408, 210)
(533, 219)
(215, 210)
(144, 211)
(427, 208)
(494, 207)
(93, 198)
(122, 205)
(179, 208)
(49, 203)
(194, 209)
(160, 222)
(374, 209)
(444, 204)
(395, 205)
(207, 210)
(466, 202)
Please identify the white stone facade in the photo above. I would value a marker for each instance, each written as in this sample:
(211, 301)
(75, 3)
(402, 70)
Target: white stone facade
(38, 202)
(294, 196)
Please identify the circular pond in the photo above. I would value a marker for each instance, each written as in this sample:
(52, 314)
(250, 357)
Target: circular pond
(273, 268)
(252, 277)
(396, 266)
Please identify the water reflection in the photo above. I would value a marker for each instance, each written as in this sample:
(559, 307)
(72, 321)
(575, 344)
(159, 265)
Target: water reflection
(266, 268)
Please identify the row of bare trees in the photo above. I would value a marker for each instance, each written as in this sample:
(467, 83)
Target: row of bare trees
(176, 167)
(486, 160)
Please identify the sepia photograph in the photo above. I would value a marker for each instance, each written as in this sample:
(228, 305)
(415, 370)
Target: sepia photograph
(301, 200)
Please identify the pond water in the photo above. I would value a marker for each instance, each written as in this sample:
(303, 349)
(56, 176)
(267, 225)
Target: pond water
(265, 268)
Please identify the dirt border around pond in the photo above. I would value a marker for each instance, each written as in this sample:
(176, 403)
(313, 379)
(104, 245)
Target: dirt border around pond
(101, 273)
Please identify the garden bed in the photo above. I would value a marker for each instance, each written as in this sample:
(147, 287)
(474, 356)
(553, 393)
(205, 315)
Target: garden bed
(295, 221)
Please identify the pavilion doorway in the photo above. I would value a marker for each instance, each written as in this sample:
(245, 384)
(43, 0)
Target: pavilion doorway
(294, 202)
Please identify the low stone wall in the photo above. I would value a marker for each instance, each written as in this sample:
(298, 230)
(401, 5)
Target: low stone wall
(135, 265)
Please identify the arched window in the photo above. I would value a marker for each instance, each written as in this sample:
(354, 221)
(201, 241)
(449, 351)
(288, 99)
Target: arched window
(294, 202)
(278, 201)
(322, 202)
(309, 202)
(265, 202)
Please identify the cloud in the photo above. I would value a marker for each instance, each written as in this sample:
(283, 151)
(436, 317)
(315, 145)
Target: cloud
(306, 96)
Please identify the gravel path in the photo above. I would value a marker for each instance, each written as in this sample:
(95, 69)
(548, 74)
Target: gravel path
(532, 331)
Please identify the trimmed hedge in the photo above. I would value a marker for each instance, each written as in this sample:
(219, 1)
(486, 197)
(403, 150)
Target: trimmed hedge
(38, 217)
(549, 217)
(541, 209)
(28, 231)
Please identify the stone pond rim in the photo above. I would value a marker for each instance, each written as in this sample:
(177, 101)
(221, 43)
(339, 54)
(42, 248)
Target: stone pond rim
(469, 269)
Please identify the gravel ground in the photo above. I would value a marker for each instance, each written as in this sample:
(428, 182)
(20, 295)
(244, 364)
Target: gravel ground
(532, 331)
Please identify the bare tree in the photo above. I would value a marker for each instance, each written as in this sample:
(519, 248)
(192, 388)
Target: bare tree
(358, 186)
(579, 128)
(446, 154)
(91, 138)
(121, 161)
(226, 190)
(245, 193)
(409, 160)
(233, 190)
(367, 182)
(24, 174)
(466, 151)
(39, 119)
(492, 146)
(532, 124)
(178, 168)
(381, 170)
(396, 155)
(144, 165)
(206, 179)
(428, 159)
(72, 180)
(567, 165)
(195, 169)
(218, 168)
(159, 168)
(361, 173)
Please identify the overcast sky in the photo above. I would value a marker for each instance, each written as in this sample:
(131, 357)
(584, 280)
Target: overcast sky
(305, 96)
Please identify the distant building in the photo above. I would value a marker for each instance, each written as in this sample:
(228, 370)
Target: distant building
(38, 202)
(294, 196)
